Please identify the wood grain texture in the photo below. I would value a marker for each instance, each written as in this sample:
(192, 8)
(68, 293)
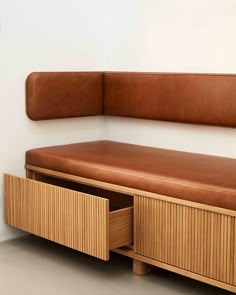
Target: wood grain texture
(192, 239)
(126, 251)
(234, 254)
(196, 240)
(121, 227)
(77, 220)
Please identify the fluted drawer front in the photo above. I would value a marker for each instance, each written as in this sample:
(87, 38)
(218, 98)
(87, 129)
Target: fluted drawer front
(71, 218)
(193, 239)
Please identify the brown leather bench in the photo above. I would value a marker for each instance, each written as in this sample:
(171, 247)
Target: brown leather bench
(184, 203)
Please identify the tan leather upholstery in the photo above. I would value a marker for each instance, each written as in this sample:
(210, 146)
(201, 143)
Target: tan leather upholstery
(64, 95)
(190, 98)
(199, 178)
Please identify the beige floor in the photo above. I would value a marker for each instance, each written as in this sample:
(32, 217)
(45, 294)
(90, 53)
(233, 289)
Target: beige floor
(33, 266)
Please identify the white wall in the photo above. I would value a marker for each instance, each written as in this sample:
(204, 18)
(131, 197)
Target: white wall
(39, 36)
(171, 36)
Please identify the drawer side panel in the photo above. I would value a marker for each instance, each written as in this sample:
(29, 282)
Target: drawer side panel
(121, 228)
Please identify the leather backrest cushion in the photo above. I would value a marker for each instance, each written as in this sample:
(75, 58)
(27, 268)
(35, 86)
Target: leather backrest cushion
(191, 98)
(52, 95)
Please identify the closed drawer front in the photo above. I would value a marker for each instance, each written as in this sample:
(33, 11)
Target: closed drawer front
(82, 221)
(193, 239)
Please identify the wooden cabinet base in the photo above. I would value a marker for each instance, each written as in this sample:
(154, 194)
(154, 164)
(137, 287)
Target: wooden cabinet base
(141, 268)
(127, 251)
(192, 239)
(196, 240)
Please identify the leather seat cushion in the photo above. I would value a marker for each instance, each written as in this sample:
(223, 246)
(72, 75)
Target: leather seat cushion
(200, 178)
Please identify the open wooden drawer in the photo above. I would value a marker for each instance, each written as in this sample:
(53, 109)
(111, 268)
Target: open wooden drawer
(90, 220)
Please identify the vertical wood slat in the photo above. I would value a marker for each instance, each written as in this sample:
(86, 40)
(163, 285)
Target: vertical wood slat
(70, 218)
(193, 239)
(234, 272)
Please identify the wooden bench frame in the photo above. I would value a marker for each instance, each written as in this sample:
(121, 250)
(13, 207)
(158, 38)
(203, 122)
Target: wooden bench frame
(191, 239)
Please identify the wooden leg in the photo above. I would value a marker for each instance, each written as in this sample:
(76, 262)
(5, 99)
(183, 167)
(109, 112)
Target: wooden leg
(31, 174)
(140, 268)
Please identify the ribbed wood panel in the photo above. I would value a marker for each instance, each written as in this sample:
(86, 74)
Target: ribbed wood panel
(193, 239)
(73, 219)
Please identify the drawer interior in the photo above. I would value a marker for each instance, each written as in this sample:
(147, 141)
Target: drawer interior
(117, 200)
